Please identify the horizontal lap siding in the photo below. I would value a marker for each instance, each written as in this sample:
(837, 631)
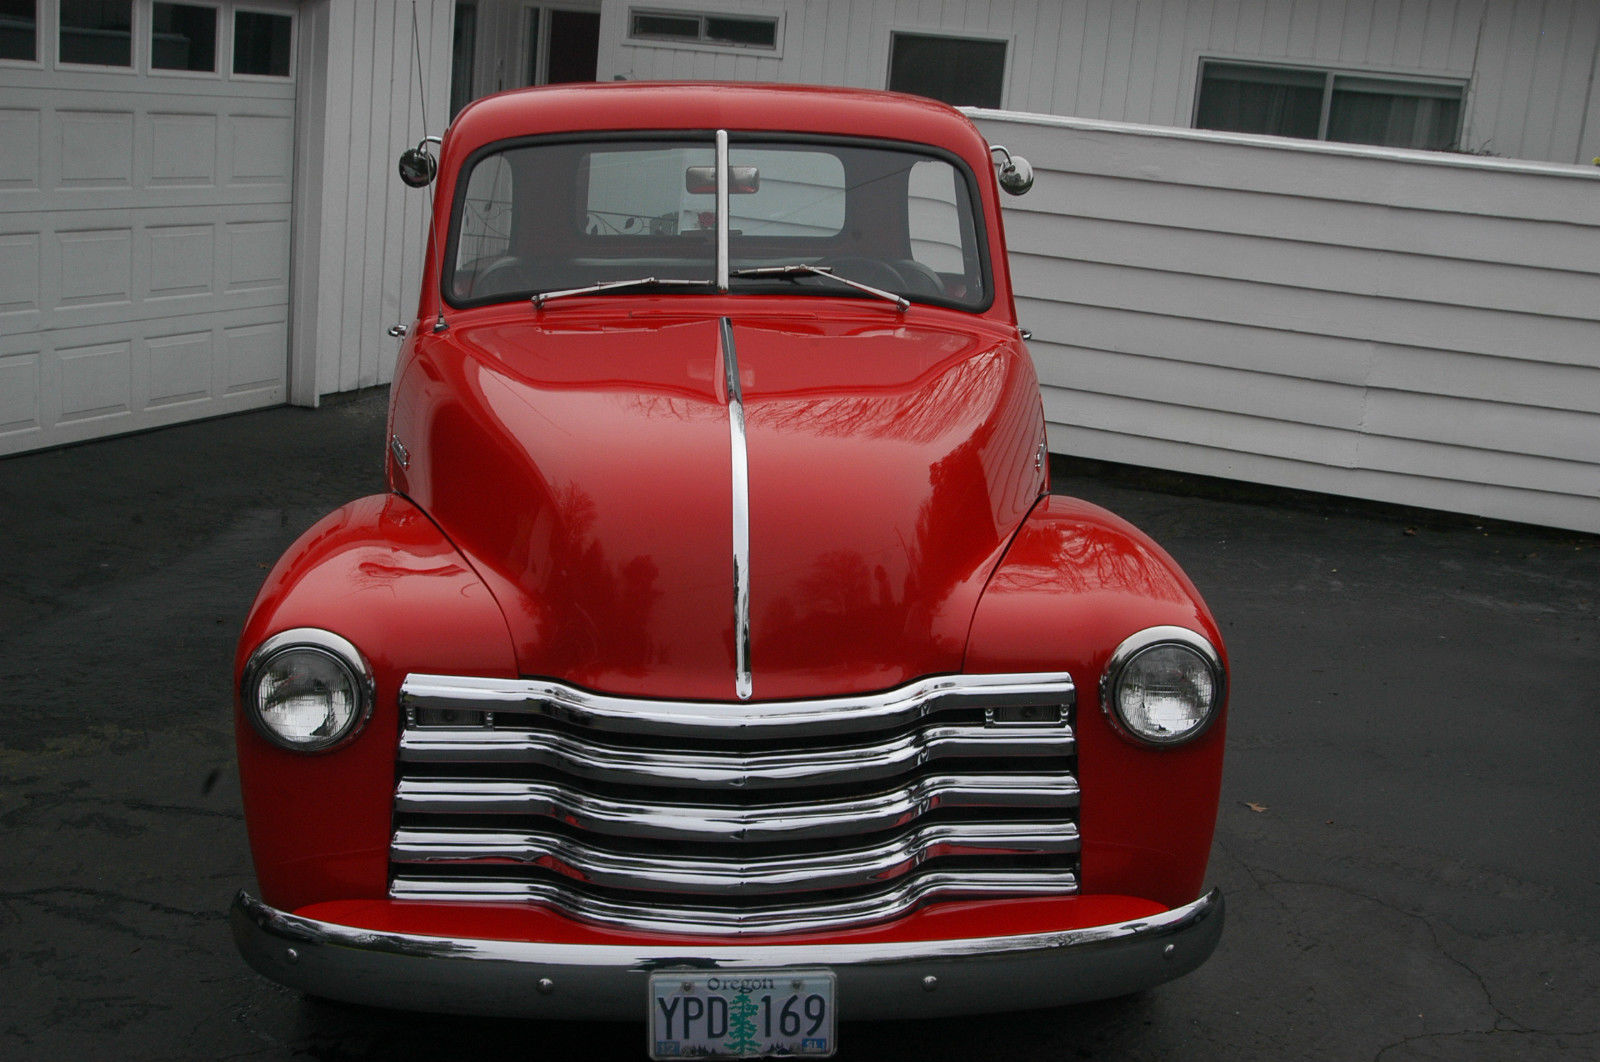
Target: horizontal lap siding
(1399, 326)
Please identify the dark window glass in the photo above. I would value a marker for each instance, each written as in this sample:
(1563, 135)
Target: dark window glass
(463, 50)
(574, 46)
(672, 26)
(1312, 105)
(963, 73)
(19, 30)
(1394, 114)
(261, 43)
(97, 32)
(1257, 99)
(531, 75)
(750, 32)
(183, 37)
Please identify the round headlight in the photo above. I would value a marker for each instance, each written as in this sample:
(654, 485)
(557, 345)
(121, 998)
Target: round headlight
(307, 689)
(1163, 685)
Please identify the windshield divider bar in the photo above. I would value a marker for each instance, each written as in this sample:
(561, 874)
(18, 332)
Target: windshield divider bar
(722, 210)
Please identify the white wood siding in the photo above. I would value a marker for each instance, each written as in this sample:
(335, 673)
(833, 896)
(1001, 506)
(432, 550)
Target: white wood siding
(360, 233)
(1404, 326)
(1531, 64)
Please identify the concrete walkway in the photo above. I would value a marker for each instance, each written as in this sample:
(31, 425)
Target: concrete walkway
(1408, 837)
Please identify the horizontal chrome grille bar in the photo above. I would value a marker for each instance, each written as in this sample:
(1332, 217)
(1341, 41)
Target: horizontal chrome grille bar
(767, 875)
(825, 718)
(694, 823)
(789, 917)
(858, 764)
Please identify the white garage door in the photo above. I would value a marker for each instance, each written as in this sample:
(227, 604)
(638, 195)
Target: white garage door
(146, 154)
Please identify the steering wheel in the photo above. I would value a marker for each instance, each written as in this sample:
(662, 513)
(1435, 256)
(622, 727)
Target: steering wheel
(874, 272)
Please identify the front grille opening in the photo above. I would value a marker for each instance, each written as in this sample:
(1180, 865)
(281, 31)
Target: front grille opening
(959, 801)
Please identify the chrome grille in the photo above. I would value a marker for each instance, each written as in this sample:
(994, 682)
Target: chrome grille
(723, 817)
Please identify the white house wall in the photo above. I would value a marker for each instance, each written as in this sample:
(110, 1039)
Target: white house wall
(1531, 63)
(360, 233)
(1404, 326)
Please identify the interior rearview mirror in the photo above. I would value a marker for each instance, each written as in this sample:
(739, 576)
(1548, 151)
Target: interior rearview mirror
(702, 180)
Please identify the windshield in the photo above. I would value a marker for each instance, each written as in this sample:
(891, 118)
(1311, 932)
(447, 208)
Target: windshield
(631, 215)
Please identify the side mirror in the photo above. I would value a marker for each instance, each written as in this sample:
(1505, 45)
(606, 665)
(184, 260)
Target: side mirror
(1016, 175)
(418, 167)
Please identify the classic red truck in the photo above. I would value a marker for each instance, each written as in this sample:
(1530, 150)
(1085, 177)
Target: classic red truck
(718, 657)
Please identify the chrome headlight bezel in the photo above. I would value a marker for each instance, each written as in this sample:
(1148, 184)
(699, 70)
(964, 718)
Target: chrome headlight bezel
(1148, 640)
(328, 646)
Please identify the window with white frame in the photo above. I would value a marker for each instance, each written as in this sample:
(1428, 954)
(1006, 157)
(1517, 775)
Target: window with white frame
(19, 30)
(703, 28)
(961, 71)
(1317, 104)
(183, 37)
(96, 32)
(263, 43)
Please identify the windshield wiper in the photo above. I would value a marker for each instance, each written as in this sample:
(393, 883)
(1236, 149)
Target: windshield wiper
(545, 296)
(800, 269)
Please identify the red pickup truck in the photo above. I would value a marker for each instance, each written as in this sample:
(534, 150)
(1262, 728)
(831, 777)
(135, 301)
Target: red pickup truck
(718, 657)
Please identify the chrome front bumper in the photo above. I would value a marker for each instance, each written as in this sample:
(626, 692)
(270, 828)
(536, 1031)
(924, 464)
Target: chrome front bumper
(582, 981)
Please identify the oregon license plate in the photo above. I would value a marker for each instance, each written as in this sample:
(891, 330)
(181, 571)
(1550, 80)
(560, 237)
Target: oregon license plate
(744, 1014)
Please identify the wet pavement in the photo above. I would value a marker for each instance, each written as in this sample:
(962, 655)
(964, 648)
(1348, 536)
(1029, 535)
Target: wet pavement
(1408, 836)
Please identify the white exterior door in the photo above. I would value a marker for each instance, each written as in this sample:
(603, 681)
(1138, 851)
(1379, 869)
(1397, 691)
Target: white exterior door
(145, 185)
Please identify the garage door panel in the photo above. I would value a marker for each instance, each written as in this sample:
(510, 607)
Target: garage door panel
(19, 393)
(20, 265)
(262, 149)
(94, 268)
(180, 368)
(258, 257)
(95, 381)
(19, 162)
(94, 149)
(182, 150)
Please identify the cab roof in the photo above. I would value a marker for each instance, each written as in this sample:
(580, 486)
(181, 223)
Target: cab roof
(632, 105)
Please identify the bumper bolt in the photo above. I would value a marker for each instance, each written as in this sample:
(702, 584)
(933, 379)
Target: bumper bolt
(929, 983)
(1168, 951)
(292, 955)
(546, 986)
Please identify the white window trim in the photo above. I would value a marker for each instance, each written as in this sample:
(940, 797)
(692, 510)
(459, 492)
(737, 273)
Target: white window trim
(1330, 74)
(702, 10)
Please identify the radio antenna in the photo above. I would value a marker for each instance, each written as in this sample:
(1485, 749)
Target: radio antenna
(422, 108)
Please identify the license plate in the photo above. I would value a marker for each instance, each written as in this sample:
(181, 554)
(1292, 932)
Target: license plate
(747, 1014)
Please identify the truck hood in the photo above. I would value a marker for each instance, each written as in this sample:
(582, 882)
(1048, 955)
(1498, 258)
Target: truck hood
(586, 470)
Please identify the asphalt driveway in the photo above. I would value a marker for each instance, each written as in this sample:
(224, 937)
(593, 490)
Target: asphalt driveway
(1408, 837)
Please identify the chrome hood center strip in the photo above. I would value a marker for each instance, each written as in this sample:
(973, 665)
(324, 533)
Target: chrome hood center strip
(744, 685)
(824, 718)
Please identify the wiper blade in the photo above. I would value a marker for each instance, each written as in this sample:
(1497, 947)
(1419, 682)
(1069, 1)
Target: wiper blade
(640, 282)
(799, 269)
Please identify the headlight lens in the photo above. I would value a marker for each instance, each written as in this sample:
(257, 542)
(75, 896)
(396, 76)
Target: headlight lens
(307, 689)
(1163, 686)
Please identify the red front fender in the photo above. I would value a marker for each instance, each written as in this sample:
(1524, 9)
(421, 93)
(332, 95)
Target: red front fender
(1075, 582)
(380, 574)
